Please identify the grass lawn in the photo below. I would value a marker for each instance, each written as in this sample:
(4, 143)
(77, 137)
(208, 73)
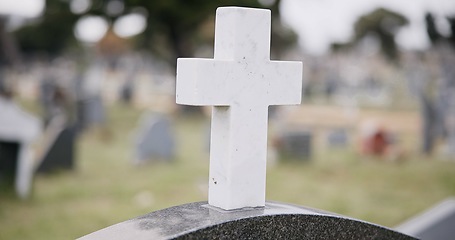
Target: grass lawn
(106, 188)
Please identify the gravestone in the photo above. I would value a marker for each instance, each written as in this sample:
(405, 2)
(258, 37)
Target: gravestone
(60, 118)
(450, 124)
(445, 96)
(435, 223)
(337, 138)
(296, 144)
(90, 106)
(155, 140)
(237, 209)
(241, 82)
(18, 131)
(274, 221)
(48, 88)
(9, 154)
(92, 112)
(127, 89)
(59, 149)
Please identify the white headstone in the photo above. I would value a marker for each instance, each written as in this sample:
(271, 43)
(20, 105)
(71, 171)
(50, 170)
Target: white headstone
(240, 82)
(23, 128)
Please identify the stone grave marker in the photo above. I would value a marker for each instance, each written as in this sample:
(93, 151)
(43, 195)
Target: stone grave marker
(92, 112)
(9, 153)
(18, 131)
(240, 82)
(337, 138)
(59, 147)
(90, 106)
(450, 125)
(296, 144)
(155, 140)
(435, 223)
(48, 88)
(127, 88)
(60, 117)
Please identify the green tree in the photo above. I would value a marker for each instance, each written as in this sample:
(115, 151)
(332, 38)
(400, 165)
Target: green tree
(51, 33)
(382, 23)
(174, 27)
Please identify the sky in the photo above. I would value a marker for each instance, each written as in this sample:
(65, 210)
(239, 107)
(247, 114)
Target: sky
(318, 23)
(321, 22)
(23, 8)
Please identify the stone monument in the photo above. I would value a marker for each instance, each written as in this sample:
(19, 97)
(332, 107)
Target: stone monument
(18, 131)
(241, 82)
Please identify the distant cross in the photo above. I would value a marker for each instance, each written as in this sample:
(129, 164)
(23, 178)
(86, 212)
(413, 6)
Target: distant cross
(240, 82)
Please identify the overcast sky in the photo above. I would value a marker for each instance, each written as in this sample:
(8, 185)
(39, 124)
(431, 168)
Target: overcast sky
(320, 22)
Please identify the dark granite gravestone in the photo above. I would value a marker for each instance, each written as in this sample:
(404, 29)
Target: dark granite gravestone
(155, 139)
(296, 144)
(60, 152)
(337, 138)
(9, 153)
(274, 221)
(435, 223)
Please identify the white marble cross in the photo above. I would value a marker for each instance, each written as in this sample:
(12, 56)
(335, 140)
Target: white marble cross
(240, 82)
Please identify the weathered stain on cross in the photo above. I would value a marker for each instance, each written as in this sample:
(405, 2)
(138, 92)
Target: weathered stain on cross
(240, 82)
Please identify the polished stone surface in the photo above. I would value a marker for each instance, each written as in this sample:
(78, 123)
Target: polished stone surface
(274, 221)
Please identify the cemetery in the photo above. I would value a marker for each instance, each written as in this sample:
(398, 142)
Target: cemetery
(237, 135)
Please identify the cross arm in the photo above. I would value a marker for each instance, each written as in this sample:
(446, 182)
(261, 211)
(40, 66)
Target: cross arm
(202, 82)
(285, 87)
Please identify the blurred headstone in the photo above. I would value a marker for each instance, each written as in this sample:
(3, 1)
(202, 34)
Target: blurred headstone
(296, 144)
(60, 115)
(18, 131)
(432, 124)
(126, 93)
(450, 123)
(90, 103)
(337, 138)
(155, 140)
(47, 92)
(127, 89)
(447, 97)
(9, 155)
(93, 112)
(59, 149)
(435, 223)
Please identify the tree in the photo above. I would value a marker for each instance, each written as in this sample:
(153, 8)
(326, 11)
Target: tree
(174, 27)
(383, 23)
(51, 33)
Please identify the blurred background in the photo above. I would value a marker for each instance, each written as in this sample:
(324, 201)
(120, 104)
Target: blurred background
(90, 134)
